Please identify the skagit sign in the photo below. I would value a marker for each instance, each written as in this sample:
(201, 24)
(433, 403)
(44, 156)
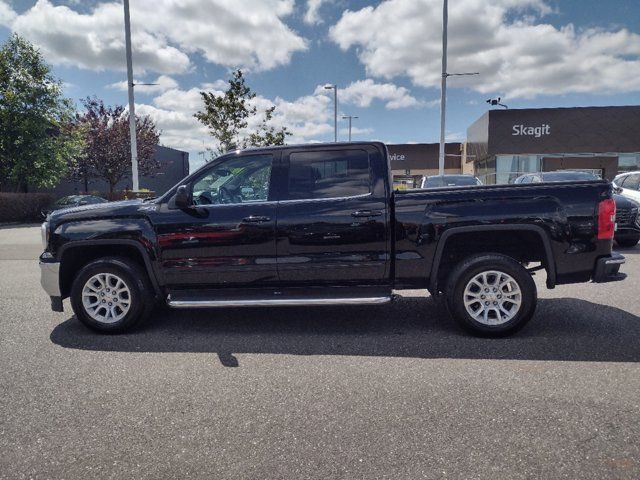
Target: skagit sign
(537, 131)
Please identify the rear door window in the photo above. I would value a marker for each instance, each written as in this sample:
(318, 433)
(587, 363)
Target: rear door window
(328, 174)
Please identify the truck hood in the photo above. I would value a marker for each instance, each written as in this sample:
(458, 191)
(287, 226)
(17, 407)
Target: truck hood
(100, 210)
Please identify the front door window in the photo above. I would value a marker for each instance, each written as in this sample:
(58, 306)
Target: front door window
(238, 180)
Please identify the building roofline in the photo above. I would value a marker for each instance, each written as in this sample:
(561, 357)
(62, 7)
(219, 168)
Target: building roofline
(560, 108)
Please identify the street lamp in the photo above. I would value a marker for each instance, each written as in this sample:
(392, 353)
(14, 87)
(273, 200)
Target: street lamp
(443, 86)
(350, 117)
(335, 109)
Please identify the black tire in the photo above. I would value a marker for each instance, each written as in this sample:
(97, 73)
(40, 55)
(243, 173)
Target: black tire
(469, 268)
(628, 241)
(135, 279)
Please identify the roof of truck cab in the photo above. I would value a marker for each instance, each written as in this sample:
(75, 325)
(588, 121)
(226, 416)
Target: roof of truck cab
(313, 146)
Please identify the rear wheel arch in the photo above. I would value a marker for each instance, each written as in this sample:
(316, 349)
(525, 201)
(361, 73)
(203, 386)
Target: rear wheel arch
(535, 234)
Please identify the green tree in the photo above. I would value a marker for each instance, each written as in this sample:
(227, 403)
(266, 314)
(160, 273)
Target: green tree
(227, 118)
(36, 143)
(107, 152)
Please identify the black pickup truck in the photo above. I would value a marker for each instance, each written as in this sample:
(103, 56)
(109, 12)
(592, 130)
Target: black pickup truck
(319, 225)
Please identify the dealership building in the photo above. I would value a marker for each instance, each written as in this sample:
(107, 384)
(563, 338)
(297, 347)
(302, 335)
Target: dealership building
(503, 144)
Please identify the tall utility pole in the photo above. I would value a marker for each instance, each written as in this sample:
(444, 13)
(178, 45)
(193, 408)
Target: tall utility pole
(335, 109)
(132, 107)
(443, 86)
(350, 117)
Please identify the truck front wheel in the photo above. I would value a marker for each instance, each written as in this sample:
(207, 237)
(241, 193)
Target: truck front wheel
(491, 295)
(111, 295)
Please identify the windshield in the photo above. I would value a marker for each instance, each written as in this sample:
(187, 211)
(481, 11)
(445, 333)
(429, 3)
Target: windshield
(71, 200)
(449, 181)
(568, 176)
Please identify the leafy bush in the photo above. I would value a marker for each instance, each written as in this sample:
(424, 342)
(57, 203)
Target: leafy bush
(23, 207)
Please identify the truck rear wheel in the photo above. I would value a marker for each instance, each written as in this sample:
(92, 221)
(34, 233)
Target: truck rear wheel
(491, 295)
(111, 295)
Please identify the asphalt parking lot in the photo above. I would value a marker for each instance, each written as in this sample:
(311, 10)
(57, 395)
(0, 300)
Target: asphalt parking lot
(393, 391)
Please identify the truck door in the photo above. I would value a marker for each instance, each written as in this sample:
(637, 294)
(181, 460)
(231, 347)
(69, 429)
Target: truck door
(228, 236)
(333, 217)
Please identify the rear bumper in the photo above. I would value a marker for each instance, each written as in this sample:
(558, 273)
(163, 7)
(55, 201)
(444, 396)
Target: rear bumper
(608, 268)
(50, 281)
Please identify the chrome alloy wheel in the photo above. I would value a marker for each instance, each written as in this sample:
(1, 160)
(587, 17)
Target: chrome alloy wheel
(106, 298)
(492, 297)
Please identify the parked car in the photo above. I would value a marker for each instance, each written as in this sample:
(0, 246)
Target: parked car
(630, 184)
(435, 181)
(72, 201)
(559, 176)
(627, 221)
(327, 228)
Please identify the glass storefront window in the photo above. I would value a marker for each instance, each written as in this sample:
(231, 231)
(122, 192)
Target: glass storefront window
(506, 168)
(628, 162)
(510, 167)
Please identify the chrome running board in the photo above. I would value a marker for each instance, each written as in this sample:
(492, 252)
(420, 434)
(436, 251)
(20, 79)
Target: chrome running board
(277, 302)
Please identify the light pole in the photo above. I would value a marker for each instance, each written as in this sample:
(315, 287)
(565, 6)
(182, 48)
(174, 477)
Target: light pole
(350, 117)
(443, 85)
(132, 107)
(335, 109)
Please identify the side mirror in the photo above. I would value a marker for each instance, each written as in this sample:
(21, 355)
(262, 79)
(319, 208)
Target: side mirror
(182, 198)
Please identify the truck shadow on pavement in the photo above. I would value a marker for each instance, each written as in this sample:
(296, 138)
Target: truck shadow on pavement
(414, 327)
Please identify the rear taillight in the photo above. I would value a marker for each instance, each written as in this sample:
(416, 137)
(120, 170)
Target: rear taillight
(606, 219)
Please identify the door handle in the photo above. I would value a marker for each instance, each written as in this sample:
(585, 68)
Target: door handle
(255, 219)
(366, 213)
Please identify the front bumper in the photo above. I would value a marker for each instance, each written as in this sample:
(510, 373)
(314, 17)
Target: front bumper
(608, 268)
(50, 281)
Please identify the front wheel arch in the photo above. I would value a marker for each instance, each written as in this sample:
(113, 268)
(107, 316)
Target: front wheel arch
(140, 296)
(75, 255)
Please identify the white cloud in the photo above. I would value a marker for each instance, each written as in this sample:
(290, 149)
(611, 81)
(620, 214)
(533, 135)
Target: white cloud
(7, 15)
(308, 118)
(507, 41)
(217, 85)
(364, 92)
(455, 136)
(312, 15)
(163, 83)
(248, 34)
(355, 131)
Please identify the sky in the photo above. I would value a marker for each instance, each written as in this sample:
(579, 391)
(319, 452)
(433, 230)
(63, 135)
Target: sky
(383, 56)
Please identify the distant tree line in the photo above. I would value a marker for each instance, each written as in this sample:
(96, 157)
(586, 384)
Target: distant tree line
(44, 138)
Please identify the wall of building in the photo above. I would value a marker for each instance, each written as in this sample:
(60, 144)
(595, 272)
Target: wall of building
(411, 161)
(174, 166)
(564, 130)
(505, 143)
